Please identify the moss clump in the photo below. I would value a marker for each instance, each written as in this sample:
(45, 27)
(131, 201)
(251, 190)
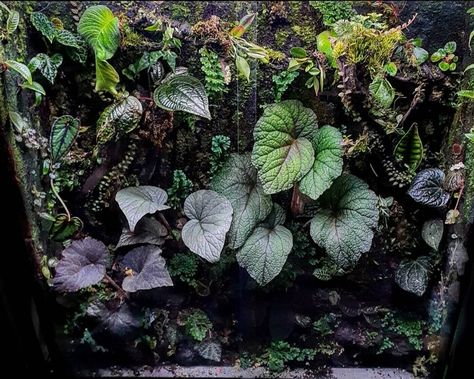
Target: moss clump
(469, 184)
(281, 36)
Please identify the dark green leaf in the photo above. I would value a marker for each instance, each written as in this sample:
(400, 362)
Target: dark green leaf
(42, 24)
(427, 188)
(63, 229)
(13, 21)
(63, 134)
(48, 66)
(412, 275)
(298, 52)
(382, 92)
(409, 149)
(432, 232)
(35, 86)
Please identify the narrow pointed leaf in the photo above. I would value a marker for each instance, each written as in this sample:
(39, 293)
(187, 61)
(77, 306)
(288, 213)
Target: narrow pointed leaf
(409, 149)
(20, 69)
(34, 86)
(63, 134)
(13, 21)
(106, 78)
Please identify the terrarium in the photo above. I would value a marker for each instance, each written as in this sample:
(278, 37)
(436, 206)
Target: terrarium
(271, 188)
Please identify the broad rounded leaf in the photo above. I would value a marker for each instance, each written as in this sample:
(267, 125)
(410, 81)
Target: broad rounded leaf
(48, 66)
(421, 55)
(412, 275)
(237, 181)
(106, 78)
(210, 216)
(13, 21)
(432, 232)
(427, 188)
(265, 252)
(409, 149)
(327, 164)
(20, 69)
(183, 93)
(344, 222)
(136, 202)
(148, 230)
(100, 28)
(211, 350)
(148, 269)
(63, 133)
(119, 119)
(276, 217)
(282, 152)
(82, 265)
(116, 318)
(382, 92)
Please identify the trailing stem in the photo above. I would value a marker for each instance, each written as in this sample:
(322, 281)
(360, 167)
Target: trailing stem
(56, 194)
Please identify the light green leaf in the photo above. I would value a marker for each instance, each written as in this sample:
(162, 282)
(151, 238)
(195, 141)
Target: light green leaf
(391, 69)
(63, 134)
(432, 232)
(18, 122)
(210, 216)
(265, 252)
(437, 56)
(344, 222)
(298, 52)
(183, 93)
(136, 202)
(409, 149)
(382, 92)
(146, 60)
(106, 78)
(35, 86)
(466, 93)
(242, 67)
(444, 66)
(421, 55)
(100, 28)
(450, 47)
(237, 181)
(471, 36)
(20, 69)
(323, 44)
(48, 66)
(327, 164)
(13, 21)
(118, 119)
(283, 152)
(412, 275)
(42, 24)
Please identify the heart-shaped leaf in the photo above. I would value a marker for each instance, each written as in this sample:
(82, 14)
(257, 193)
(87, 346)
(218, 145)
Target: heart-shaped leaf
(210, 217)
(117, 318)
(119, 119)
(432, 232)
(409, 149)
(63, 134)
(344, 222)
(427, 188)
(148, 230)
(100, 28)
(282, 152)
(67, 38)
(82, 265)
(136, 202)
(327, 165)
(48, 66)
(382, 92)
(63, 228)
(148, 269)
(237, 181)
(183, 93)
(106, 78)
(265, 252)
(276, 217)
(412, 275)
(13, 21)
(42, 24)
(211, 350)
(20, 69)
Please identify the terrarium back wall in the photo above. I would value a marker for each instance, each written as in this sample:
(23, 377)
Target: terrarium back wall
(277, 184)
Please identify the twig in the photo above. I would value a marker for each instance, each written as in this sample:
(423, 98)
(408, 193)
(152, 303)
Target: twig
(166, 224)
(459, 198)
(116, 286)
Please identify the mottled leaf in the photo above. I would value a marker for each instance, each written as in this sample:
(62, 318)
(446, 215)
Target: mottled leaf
(183, 93)
(67, 38)
(345, 219)
(237, 181)
(82, 265)
(100, 28)
(20, 69)
(106, 78)
(211, 350)
(265, 252)
(409, 149)
(283, 152)
(327, 164)
(210, 217)
(48, 66)
(382, 92)
(136, 202)
(427, 188)
(432, 232)
(63, 228)
(63, 134)
(42, 24)
(148, 230)
(148, 269)
(13, 21)
(118, 319)
(412, 275)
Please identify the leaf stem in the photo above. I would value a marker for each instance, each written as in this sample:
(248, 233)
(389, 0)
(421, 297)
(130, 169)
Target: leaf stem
(56, 194)
(116, 286)
(166, 224)
(459, 198)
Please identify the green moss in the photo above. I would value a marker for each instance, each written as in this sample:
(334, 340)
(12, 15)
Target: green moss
(469, 183)
(281, 36)
(306, 33)
(179, 11)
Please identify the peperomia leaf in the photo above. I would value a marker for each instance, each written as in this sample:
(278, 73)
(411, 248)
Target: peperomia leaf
(63, 134)
(100, 28)
(136, 202)
(183, 93)
(48, 66)
(82, 265)
(382, 92)
(237, 181)
(427, 188)
(421, 55)
(409, 149)
(211, 350)
(265, 252)
(148, 230)
(63, 228)
(118, 119)
(432, 232)
(106, 78)
(283, 152)
(344, 222)
(210, 216)
(412, 275)
(148, 269)
(20, 69)
(13, 21)
(327, 165)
